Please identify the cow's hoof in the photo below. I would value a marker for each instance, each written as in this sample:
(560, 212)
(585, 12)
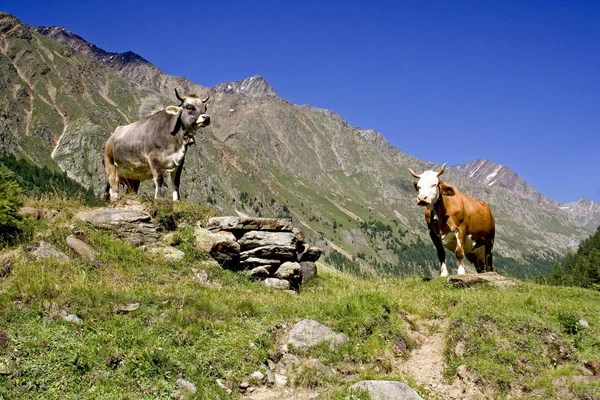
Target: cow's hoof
(444, 274)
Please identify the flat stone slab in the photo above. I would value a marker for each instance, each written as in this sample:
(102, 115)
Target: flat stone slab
(80, 247)
(46, 250)
(249, 224)
(131, 224)
(270, 252)
(253, 239)
(387, 390)
(308, 333)
(493, 279)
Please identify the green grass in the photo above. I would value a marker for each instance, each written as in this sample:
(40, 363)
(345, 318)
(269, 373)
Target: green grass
(522, 337)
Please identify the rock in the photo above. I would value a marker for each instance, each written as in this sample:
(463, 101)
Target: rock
(29, 212)
(280, 284)
(593, 366)
(308, 270)
(253, 239)
(253, 262)
(270, 377)
(387, 390)
(244, 386)
(257, 376)
(168, 252)
(171, 238)
(259, 273)
(299, 235)
(186, 386)
(221, 246)
(222, 386)
(129, 307)
(280, 380)
(72, 318)
(289, 271)
(132, 225)
(209, 264)
(46, 250)
(201, 277)
(490, 278)
(83, 249)
(271, 251)
(308, 333)
(459, 349)
(583, 323)
(311, 254)
(7, 259)
(249, 224)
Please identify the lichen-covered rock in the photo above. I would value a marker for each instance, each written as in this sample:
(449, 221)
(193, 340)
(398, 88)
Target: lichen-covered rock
(249, 224)
(259, 273)
(308, 333)
(387, 390)
(253, 262)
(311, 254)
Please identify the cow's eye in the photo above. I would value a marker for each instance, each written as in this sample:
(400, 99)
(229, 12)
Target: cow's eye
(190, 108)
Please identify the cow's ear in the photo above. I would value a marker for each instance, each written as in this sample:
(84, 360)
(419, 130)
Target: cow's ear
(174, 110)
(447, 190)
(416, 186)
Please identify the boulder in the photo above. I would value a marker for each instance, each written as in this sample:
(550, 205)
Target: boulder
(309, 333)
(493, 279)
(80, 247)
(387, 390)
(46, 250)
(72, 318)
(249, 224)
(280, 284)
(220, 245)
(132, 225)
(253, 239)
(308, 270)
(289, 271)
(271, 251)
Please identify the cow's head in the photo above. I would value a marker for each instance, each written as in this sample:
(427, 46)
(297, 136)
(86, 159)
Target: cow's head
(191, 111)
(428, 186)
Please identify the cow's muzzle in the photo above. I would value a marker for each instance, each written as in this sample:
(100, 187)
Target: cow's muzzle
(203, 120)
(422, 203)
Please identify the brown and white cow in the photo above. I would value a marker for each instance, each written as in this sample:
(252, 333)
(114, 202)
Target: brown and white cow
(456, 221)
(153, 146)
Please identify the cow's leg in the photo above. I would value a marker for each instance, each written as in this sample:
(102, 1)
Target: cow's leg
(176, 180)
(488, 261)
(460, 251)
(477, 261)
(439, 247)
(113, 179)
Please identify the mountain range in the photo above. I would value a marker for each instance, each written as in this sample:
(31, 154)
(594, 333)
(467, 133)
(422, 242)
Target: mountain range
(348, 188)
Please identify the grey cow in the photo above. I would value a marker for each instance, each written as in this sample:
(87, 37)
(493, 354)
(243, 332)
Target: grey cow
(153, 146)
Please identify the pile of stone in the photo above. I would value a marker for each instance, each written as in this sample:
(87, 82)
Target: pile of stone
(270, 249)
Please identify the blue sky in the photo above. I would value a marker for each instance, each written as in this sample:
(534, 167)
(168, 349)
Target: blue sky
(516, 82)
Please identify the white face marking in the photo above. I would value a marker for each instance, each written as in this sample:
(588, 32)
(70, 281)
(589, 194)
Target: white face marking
(428, 188)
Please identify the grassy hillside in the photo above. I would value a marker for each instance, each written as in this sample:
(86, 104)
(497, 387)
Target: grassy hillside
(521, 342)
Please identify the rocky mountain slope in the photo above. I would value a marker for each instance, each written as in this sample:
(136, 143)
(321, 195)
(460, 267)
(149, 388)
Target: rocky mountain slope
(583, 212)
(349, 188)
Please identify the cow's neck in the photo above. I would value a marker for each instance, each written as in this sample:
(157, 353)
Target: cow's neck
(438, 209)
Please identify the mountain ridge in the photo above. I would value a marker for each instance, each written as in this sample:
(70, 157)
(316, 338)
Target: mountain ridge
(262, 155)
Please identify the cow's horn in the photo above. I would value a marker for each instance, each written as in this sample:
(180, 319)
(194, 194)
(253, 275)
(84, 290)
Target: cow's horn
(178, 96)
(442, 169)
(207, 97)
(413, 174)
